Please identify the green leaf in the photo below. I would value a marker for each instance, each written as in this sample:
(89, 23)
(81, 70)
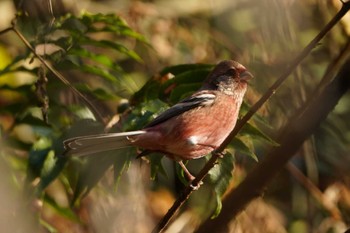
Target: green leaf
(65, 42)
(18, 69)
(220, 177)
(22, 92)
(218, 207)
(35, 164)
(181, 173)
(182, 91)
(186, 81)
(89, 170)
(14, 62)
(104, 73)
(187, 77)
(253, 132)
(52, 167)
(94, 167)
(99, 93)
(143, 114)
(122, 164)
(48, 226)
(112, 23)
(156, 165)
(207, 200)
(74, 24)
(112, 45)
(99, 58)
(245, 107)
(241, 147)
(33, 121)
(148, 92)
(83, 127)
(65, 212)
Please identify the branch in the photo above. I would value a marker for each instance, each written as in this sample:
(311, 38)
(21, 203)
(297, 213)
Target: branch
(315, 192)
(6, 30)
(54, 71)
(291, 138)
(215, 155)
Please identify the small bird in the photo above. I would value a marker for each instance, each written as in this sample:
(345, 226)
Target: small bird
(190, 129)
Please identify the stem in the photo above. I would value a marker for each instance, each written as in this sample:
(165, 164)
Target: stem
(216, 154)
(6, 30)
(291, 138)
(56, 73)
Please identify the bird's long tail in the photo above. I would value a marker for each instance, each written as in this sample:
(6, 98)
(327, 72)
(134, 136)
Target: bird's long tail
(85, 145)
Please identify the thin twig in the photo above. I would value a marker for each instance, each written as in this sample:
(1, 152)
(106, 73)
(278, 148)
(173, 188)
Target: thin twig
(6, 30)
(292, 136)
(215, 155)
(314, 191)
(334, 66)
(56, 73)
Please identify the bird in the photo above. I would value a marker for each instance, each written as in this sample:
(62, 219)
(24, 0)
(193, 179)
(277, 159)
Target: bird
(191, 129)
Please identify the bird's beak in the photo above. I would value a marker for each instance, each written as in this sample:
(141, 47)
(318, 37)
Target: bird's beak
(246, 75)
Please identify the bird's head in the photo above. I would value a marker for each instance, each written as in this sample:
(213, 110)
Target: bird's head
(228, 76)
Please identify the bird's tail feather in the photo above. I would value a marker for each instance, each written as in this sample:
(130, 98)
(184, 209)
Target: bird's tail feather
(85, 145)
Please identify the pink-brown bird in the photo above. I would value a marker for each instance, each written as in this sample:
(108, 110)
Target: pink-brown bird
(190, 129)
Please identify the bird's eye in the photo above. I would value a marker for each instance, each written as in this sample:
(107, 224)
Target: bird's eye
(230, 72)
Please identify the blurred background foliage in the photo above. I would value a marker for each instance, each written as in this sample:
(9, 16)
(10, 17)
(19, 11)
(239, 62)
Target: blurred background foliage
(123, 56)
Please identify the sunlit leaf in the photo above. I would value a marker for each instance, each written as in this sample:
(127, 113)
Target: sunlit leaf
(112, 45)
(52, 167)
(112, 23)
(99, 58)
(13, 65)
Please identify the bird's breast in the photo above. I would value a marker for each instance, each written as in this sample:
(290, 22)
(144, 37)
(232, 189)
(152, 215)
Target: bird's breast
(194, 133)
(197, 132)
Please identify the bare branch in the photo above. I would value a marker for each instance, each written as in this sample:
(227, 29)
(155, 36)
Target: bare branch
(291, 138)
(6, 30)
(314, 191)
(215, 155)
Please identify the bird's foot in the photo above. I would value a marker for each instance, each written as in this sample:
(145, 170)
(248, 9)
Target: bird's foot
(190, 177)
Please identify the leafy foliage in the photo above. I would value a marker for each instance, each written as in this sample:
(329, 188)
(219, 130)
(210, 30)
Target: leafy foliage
(76, 45)
(72, 44)
(110, 63)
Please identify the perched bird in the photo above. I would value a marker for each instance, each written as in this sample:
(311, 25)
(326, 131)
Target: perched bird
(190, 129)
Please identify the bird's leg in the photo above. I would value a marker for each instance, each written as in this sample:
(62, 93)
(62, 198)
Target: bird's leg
(189, 176)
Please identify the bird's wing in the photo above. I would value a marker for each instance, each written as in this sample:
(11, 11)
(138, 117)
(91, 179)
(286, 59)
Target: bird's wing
(202, 98)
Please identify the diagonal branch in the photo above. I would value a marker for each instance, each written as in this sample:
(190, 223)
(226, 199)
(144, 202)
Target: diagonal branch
(54, 71)
(215, 155)
(291, 138)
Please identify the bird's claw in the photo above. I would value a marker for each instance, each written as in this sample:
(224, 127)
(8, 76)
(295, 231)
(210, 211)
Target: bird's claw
(220, 154)
(195, 187)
